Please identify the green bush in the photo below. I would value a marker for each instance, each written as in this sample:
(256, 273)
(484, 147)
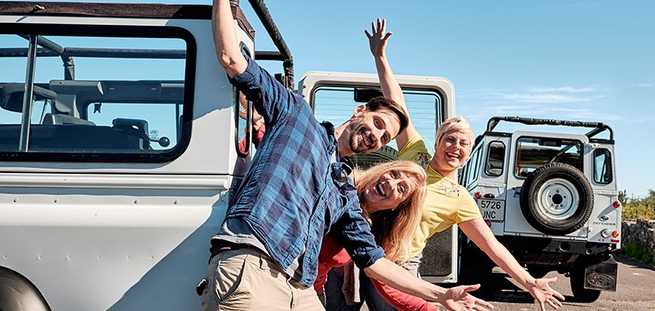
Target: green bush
(638, 252)
(632, 211)
(643, 208)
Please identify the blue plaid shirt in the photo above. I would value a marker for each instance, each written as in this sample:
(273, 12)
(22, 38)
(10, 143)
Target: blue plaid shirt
(289, 197)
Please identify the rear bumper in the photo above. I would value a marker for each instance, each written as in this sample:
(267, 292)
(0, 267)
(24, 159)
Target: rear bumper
(553, 252)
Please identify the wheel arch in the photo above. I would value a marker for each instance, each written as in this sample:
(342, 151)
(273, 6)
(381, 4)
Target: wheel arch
(18, 293)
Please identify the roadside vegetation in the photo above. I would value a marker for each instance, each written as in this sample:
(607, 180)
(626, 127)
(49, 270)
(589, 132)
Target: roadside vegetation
(638, 208)
(634, 209)
(638, 252)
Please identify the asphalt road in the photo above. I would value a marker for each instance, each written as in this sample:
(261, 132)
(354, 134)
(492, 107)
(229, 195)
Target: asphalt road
(635, 291)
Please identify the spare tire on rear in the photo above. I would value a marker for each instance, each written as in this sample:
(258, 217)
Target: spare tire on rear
(557, 199)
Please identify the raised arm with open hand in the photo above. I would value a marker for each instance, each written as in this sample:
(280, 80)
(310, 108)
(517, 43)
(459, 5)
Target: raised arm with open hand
(378, 39)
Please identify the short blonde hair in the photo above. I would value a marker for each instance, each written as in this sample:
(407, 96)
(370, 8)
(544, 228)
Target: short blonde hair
(454, 124)
(395, 229)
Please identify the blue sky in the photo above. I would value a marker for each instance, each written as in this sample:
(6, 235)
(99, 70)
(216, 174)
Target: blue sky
(576, 60)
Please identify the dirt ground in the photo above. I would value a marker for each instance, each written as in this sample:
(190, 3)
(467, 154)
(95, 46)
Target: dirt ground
(635, 291)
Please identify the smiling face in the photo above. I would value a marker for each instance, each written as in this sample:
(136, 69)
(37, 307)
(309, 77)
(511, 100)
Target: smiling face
(389, 191)
(452, 151)
(370, 130)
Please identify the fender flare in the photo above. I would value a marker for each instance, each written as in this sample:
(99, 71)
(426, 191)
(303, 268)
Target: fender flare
(17, 293)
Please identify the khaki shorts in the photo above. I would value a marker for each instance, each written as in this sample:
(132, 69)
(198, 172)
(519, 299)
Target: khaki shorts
(246, 279)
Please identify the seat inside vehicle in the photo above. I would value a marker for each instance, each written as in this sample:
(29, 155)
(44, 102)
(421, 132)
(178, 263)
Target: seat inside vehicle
(62, 119)
(74, 138)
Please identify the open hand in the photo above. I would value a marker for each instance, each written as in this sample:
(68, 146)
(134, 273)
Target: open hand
(378, 37)
(544, 294)
(458, 298)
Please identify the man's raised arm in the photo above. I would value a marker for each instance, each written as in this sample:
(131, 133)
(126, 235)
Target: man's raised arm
(271, 99)
(390, 88)
(227, 48)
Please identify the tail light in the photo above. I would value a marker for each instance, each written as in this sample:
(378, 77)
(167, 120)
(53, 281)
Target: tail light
(477, 195)
(616, 204)
(615, 234)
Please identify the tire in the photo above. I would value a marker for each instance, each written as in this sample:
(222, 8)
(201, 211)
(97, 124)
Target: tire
(557, 199)
(581, 294)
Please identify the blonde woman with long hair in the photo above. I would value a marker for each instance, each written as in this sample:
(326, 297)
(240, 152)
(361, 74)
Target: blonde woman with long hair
(391, 196)
(448, 203)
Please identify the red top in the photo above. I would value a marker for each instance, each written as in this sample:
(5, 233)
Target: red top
(334, 255)
(256, 139)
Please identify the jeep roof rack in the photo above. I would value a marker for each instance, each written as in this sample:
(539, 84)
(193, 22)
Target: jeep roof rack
(50, 48)
(598, 127)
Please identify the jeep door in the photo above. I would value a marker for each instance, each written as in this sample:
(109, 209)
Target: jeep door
(430, 100)
(606, 217)
(97, 210)
(530, 151)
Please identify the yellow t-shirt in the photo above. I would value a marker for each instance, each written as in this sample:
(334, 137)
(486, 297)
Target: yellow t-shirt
(446, 202)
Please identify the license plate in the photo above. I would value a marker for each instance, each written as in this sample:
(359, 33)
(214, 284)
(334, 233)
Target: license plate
(492, 210)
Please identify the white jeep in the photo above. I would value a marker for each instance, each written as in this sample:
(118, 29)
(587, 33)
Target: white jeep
(551, 199)
(118, 149)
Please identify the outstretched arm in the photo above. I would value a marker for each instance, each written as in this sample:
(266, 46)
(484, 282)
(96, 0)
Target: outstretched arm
(456, 298)
(378, 39)
(400, 300)
(354, 233)
(478, 231)
(227, 48)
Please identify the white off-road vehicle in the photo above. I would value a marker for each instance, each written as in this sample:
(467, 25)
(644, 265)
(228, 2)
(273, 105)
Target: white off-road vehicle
(118, 149)
(551, 198)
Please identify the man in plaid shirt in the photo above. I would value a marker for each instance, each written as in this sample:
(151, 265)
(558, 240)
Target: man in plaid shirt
(265, 254)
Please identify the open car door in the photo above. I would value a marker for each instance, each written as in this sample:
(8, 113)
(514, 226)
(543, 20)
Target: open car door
(430, 100)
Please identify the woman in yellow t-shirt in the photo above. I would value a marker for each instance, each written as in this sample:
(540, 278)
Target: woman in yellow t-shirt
(447, 202)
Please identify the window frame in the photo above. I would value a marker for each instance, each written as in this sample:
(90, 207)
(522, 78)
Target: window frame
(517, 153)
(438, 107)
(115, 31)
(608, 153)
(474, 160)
(502, 168)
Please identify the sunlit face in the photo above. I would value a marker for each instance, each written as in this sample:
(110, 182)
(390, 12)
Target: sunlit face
(370, 130)
(453, 150)
(389, 191)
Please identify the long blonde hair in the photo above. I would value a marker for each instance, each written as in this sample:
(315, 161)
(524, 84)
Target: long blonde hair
(394, 229)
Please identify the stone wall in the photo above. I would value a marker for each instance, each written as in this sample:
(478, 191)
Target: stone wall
(641, 233)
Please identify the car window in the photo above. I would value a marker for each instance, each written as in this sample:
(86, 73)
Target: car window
(495, 159)
(112, 92)
(336, 105)
(602, 166)
(534, 152)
